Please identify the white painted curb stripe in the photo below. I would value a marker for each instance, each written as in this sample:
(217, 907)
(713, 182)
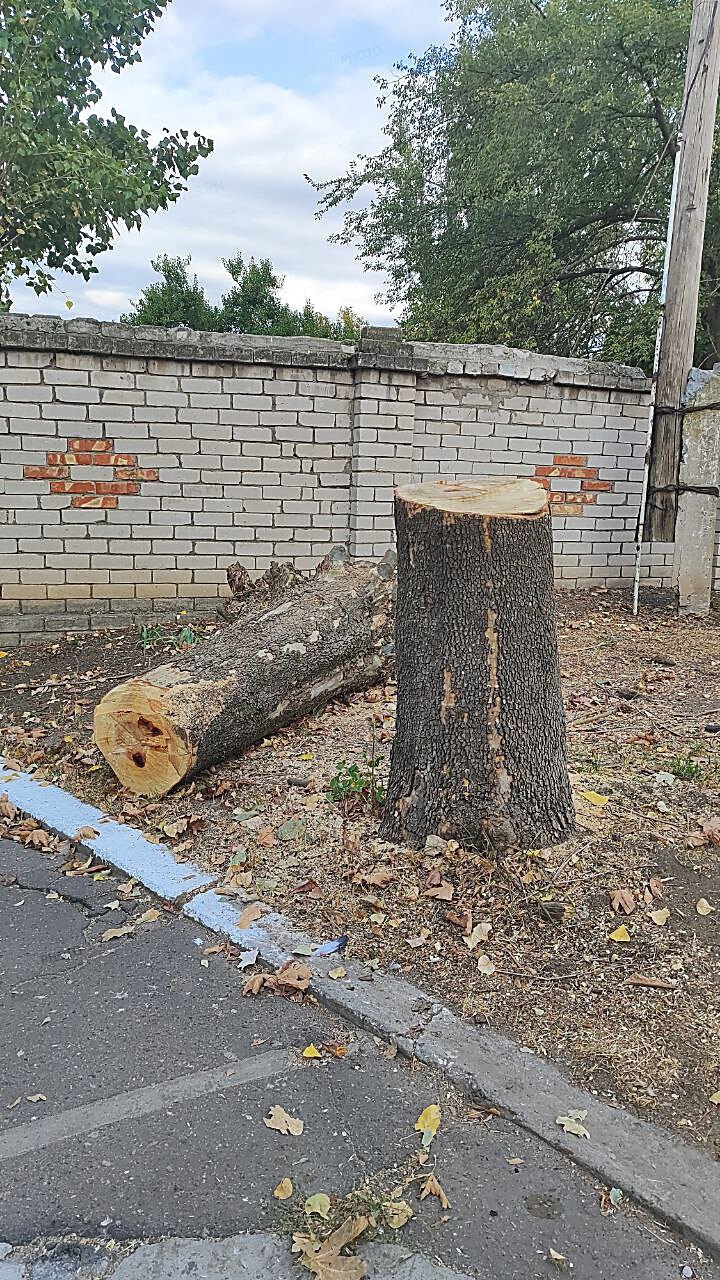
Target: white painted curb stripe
(128, 850)
(78, 1121)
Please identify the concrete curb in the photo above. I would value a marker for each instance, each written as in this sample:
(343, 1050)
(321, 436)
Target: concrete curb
(152, 864)
(665, 1175)
(256, 1255)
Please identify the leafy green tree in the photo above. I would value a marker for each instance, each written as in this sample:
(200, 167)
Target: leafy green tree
(69, 178)
(252, 304)
(174, 300)
(522, 196)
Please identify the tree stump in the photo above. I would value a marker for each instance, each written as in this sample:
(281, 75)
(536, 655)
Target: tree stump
(479, 751)
(329, 635)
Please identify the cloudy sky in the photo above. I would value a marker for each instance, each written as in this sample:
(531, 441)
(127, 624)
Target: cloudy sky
(283, 87)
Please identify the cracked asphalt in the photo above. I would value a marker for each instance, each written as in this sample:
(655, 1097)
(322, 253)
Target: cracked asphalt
(134, 1079)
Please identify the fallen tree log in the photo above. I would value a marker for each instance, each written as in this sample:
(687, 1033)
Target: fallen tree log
(479, 750)
(329, 635)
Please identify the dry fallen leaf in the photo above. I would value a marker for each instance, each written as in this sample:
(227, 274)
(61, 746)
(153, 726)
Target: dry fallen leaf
(121, 932)
(7, 808)
(715, 1098)
(660, 917)
(266, 838)
(311, 1052)
(153, 914)
(444, 891)
(639, 980)
(556, 1257)
(397, 1213)
(480, 933)
(379, 876)
(278, 1118)
(485, 965)
(572, 1123)
(86, 833)
(36, 1097)
(431, 1187)
(623, 900)
(283, 1190)
(340, 972)
(249, 916)
(325, 1260)
(703, 908)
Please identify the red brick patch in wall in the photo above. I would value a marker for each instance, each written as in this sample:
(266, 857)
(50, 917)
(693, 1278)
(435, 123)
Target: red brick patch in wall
(102, 493)
(571, 466)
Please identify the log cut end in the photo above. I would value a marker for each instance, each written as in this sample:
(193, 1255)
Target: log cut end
(519, 499)
(134, 733)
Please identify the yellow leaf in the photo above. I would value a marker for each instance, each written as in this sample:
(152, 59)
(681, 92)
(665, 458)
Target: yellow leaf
(428, 1123)
(340, 972)
(397, 1213)
(594, 797)
(660, 917)
(715, 1098)
(307, 755)
(311, 1052)
(3, 653)
(319, 1204)
(703, 908)
(283, 1190)
(279, 1119)
(620, 934)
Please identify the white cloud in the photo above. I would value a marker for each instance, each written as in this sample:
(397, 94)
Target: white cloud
(417, 21)
(250, 195)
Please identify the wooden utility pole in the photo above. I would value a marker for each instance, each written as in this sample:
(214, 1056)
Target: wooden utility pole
(677, 342)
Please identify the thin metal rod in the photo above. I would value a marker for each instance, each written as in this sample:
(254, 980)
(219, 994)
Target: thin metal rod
(656, 365)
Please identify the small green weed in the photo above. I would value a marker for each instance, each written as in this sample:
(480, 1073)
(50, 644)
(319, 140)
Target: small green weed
(186, 637)
(148, 637)
(685, 767)
(356, 781)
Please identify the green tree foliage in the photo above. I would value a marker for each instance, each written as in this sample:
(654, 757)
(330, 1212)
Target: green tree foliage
(523, 193)
(69, 178)
(252, 304)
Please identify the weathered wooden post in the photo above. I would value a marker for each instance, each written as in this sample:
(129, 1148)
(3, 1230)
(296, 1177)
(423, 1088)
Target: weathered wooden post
(479, 752)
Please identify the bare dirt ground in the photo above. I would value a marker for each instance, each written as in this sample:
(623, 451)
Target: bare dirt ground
(602, 953)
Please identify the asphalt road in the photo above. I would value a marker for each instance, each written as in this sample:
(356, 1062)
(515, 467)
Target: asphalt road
(133, 1084)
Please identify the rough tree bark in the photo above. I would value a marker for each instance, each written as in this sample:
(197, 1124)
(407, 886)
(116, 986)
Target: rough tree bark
(271, 667)
(479, 752)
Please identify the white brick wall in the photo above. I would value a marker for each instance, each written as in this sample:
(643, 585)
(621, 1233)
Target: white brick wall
(136, 463)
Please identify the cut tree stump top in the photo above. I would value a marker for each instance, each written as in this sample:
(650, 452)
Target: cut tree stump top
(511, 499)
